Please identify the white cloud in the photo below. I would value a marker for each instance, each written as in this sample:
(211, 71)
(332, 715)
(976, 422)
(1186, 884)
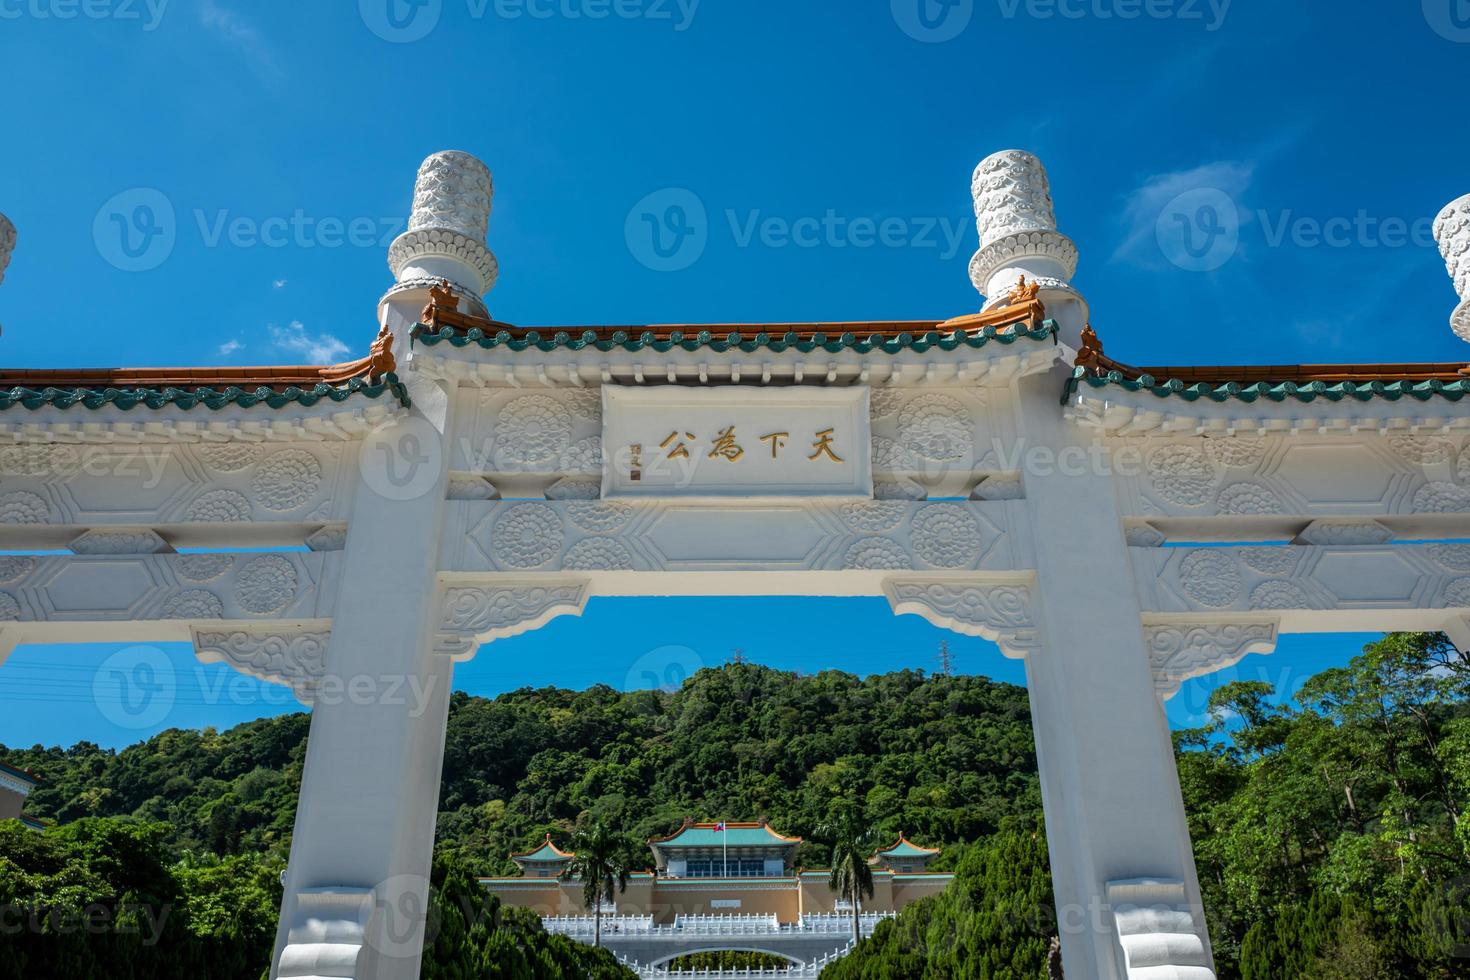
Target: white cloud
(241, 33)
(229, 347)
(316, 348)
(1143, 207)
(279, 284)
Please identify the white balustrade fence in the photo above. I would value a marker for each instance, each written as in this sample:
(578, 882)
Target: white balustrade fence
(726, 925)
(585, 926)
(807, 971)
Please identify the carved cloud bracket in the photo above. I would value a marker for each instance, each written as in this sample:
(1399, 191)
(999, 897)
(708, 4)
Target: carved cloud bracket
(474, 614)
(295, 658)
(1002, 612)
(1178, 652)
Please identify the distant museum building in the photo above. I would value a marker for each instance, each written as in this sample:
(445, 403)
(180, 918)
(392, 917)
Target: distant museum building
(15, 786)
(715, 869)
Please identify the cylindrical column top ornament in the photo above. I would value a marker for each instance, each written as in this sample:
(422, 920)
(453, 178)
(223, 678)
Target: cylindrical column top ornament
(1018, 228)
(1452, 231)
(7, 244)
(454, 191)
(1011, 195)
(447, 227)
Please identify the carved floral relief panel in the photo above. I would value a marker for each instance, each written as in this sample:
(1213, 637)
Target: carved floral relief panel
(594, 535)
(175, 483)
(195, 587)
(1273, 579)
(1265, 476)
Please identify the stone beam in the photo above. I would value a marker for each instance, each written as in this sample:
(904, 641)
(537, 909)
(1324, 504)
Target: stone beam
(606, 540)
(98, 598)
(1325, 589)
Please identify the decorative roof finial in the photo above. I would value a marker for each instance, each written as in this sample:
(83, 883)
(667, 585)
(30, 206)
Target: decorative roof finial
(380, 356)
(7, 244)
(1018, 233)
(1452, 231)
(446, 230)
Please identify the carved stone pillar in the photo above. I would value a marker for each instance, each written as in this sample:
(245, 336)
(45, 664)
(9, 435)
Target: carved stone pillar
(1452, 231)
(1018, 236)
(1114, 810)
(356, 890)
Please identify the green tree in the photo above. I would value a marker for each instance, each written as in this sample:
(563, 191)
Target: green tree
(852, 876)
(598, 866)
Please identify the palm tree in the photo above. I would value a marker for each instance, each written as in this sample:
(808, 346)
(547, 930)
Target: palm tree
(852, 876)
(598, 865)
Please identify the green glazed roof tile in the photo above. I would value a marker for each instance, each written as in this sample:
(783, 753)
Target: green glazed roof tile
(735, 341)
(127, 398)
(1271, 391)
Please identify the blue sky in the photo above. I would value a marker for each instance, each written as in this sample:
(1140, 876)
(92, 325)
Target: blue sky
(274, 145)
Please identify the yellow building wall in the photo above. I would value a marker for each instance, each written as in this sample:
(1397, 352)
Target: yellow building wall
(665, 899)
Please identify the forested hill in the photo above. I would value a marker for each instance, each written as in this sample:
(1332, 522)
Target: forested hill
(1331, 829)
(944, 759)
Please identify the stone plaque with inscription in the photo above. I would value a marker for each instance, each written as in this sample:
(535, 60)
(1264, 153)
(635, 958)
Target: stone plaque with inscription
(670, 441)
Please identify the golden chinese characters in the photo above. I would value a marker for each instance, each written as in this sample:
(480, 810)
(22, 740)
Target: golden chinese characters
(823, 446)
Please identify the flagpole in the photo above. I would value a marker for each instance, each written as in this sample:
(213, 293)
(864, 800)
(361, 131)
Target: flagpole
(725, 840)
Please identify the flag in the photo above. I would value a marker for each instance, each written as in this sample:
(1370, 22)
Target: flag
(720, 826)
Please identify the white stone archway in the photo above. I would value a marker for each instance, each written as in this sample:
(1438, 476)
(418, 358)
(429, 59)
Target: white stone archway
(995, 473)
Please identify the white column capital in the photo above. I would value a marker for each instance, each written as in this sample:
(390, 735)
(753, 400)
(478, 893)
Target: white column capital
(1452, 232)
(997, 611)
(474, 614)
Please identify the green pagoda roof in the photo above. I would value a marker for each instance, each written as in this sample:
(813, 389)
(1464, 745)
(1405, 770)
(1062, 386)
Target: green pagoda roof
(905, 848)
(735, 835)
(547, 853)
